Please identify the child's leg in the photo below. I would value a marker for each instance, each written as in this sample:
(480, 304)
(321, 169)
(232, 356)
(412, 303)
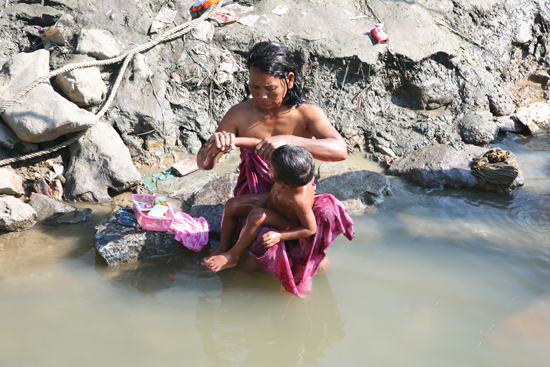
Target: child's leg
(257, 218)
(235, 208)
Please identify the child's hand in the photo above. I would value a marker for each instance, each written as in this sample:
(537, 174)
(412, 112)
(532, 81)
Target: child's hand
(271, 238)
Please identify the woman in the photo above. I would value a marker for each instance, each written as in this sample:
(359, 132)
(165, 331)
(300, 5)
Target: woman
(277, 115)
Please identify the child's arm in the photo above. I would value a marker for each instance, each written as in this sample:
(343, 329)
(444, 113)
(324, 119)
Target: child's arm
(247, 143)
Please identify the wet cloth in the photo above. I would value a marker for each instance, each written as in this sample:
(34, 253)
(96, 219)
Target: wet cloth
(293, 262)
(191, 232)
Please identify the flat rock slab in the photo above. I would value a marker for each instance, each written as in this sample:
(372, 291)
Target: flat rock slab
(439, 165)
(119, 244)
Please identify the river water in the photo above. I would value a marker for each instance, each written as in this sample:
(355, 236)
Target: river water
(436, 277)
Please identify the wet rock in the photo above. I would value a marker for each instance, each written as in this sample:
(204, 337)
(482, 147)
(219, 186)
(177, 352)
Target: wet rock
(42, 114)
(439, 165)
(536, 117)
(15, 215)
(478, 129)
(46, 207)
(431, 84)
(77, 216)
(355, 188)
(210, 200)
(119, 244)
(97, 43)
(497, 170)
(99, 162)
(43, 16)
(82, 86)
(11, 183)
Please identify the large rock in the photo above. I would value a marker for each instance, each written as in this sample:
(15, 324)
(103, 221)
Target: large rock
(210, 200)
(356, 189)
(43, 16)
(15, 215)
(478, 129)
(119, 244)
(42, 114)
(439, 165)
(431, 84)
(97, 43)
(536, 117)
(46, 207)
(99, 162)
(11, 183)
(135, 113)
(82, 86)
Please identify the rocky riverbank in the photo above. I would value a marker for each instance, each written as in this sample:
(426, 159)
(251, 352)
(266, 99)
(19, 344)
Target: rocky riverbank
(454, 77)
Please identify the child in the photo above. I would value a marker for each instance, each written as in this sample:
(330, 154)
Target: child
(287, 207)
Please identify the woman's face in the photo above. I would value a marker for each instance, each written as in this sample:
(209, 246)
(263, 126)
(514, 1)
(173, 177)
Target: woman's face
(267, 90)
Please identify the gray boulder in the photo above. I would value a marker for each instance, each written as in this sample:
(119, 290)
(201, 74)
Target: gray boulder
(15, 215)
(477, 129)
(97, 43)
(42, 114)
(209, 201)
(82, 86)
(119, 244)
(431, 84)
(46, 207)
(11, 183)
(99, 162)
(356, 189)
(439, 165)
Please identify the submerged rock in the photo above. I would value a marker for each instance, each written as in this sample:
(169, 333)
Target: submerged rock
(73, 217)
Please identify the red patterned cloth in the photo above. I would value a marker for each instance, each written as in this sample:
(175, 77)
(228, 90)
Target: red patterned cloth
(293, 262)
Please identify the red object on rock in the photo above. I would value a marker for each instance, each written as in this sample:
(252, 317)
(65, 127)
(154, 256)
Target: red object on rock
(379, 35)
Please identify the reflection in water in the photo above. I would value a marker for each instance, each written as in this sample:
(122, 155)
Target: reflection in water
(266, 327)
(246, 320)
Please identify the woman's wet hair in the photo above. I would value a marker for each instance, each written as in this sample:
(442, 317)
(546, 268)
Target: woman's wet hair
(273, 58)
(292, 165)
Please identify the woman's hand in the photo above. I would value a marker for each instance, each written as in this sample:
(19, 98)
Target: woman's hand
(267, 146)
(224, 141)
(210, 152)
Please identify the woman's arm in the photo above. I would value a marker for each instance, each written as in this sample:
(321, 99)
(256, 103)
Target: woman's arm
(221, 141)
(328, 145)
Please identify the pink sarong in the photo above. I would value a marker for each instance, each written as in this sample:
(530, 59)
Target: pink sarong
(293, 262)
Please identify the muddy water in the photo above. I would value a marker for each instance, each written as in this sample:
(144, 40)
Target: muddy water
(435, 278)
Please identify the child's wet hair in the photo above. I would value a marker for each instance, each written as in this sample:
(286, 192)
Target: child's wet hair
(273, 58)
(292, 165)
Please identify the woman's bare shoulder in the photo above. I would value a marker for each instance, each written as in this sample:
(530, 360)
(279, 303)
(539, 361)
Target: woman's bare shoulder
(311, 112)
